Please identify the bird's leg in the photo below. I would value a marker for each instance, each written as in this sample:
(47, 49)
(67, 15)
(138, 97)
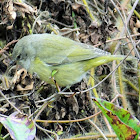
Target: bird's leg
(53, 79)
(57, 86)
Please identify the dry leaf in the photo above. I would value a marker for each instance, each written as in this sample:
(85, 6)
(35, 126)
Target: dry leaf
(28, 87)
(10, 10)
(24, 8)
(17, 75)
(73, 102)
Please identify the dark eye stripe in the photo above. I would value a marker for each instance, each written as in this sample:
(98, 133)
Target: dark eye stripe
(18, 57)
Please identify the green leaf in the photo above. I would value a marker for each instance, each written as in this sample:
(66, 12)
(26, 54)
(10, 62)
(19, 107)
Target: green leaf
(53, 73)
(19, 126)
(125, 125)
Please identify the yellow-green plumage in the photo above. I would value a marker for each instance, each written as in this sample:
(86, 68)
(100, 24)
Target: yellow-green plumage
(43, 53)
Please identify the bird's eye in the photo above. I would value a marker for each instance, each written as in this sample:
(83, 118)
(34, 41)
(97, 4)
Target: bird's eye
(18, 57)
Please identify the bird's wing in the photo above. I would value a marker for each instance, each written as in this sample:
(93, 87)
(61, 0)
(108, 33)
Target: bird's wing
(85, 52)
(55, 50)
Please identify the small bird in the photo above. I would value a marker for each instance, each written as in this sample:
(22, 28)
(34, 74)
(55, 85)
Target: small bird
(44, 54)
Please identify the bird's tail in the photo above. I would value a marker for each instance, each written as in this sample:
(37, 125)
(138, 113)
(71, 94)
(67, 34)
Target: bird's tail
(105, 59)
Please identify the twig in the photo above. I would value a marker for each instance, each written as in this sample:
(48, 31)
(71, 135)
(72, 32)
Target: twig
(134, 6)
(45, 130)
(139, 80)
(93, 137)
(54, 96)
(60, 23)
(44, 12)
(90, 14)
(68, 121)
(49, 98)
(7, 45)
(40, 6)
(16, 97)
(41, 109)
(120, 38)
(10, 102)
(98, 129)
